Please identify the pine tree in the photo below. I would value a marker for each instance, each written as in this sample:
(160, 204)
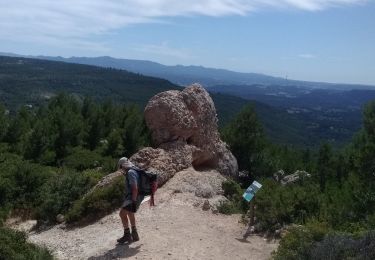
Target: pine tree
(3, 122)
(247, 142)
(324, 165)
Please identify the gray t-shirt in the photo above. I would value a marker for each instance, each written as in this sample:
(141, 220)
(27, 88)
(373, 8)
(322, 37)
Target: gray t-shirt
(132, 178)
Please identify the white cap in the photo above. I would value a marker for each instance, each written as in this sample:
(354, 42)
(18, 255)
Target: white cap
(124, 163)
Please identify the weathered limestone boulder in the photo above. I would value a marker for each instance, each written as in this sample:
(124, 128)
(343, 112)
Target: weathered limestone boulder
(184, 129)
(166, 161)
(188, 118)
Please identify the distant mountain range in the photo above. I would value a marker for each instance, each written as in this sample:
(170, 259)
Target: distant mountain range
(185, 75)
(299, 115)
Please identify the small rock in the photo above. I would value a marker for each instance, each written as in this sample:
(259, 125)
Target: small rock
(60, 218)
(278, 233)
(206, 205)
(196, 204)
(169, 253)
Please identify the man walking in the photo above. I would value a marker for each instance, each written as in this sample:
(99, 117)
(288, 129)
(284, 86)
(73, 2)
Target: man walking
(131, 202)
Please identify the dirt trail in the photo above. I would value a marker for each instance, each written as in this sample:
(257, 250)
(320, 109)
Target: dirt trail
(174, 229)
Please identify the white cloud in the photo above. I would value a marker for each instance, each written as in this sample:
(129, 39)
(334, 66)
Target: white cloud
(307, 56)
(75, 21)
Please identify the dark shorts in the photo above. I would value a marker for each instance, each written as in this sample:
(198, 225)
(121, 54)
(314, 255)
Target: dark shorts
(129, 208)
(127, 204)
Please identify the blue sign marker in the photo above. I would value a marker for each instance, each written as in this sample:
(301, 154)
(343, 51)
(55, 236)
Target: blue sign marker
(250, 192)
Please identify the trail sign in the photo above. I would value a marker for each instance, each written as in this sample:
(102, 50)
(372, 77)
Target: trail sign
(250, 192)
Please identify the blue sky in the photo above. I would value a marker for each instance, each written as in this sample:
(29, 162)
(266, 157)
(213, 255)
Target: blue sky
(317, 40)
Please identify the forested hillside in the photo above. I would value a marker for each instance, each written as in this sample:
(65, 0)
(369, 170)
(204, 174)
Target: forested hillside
(29, 81)
(33, 82)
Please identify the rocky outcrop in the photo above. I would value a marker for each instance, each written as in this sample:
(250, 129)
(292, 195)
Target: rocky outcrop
(166, 161)
(184, 128)
(283, 179)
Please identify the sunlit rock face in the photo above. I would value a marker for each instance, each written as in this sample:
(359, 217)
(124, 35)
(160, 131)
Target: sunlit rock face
(184, 129)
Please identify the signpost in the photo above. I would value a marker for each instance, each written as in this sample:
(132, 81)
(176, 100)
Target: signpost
(250, 192)
(248, 196)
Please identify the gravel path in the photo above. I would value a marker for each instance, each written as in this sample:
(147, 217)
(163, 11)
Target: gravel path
(177, 228)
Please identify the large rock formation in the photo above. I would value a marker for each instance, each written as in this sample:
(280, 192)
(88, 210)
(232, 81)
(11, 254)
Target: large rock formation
(184, 128)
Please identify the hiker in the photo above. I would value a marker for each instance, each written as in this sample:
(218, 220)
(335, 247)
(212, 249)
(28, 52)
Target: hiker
(131, 202)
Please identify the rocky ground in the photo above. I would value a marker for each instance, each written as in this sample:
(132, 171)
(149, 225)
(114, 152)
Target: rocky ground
(177, 228)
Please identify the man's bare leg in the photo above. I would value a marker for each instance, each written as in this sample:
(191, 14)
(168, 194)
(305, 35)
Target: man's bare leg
(131, 216)
(124, 219)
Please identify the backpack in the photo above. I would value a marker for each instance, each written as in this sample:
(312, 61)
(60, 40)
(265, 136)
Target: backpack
(148, 184)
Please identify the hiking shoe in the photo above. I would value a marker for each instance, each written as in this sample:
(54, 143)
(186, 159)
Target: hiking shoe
(135, 236)
(125, 238)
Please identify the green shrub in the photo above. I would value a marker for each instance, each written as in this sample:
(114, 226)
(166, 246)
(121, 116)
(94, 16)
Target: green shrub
(20, 184)
(278, 205)
(318, 229)
(97, 203)
(13, 245)
(235, 204)
(93, 176)
(59, 192)
(231, 189)
(228, 208)
(345, 246)
(316, 241)
(295, 245)
(81, 159)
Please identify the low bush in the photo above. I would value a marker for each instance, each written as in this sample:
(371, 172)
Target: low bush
(295, 245)
(235, 204)
(13, 245)
(59, 192)
(82, 159)
(228, 208)
(317, 242)
(20, 183)
(97, 203)
(278, 205)
(345, 246)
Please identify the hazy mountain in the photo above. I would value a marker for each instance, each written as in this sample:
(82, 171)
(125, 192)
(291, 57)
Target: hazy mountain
(185, 75)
